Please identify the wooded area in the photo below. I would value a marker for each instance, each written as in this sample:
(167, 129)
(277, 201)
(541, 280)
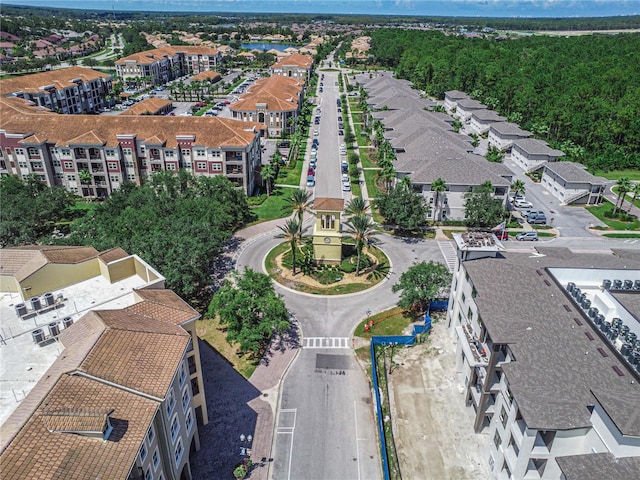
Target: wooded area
(581, 94)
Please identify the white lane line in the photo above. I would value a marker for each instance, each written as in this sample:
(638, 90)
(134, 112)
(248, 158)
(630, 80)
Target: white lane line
(355, 418)
(289, 431)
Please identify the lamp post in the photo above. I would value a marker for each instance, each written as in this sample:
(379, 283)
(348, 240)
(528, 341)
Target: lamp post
(245, 445)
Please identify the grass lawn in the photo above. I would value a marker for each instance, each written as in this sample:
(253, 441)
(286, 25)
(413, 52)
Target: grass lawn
(292, 175)
(366, 161)
(370, 180)
(449, 233)
(627, 199)
(274, 206)
(622, 235)
(599, 212)
(389, 322)
(356, 191)
(362, 140)
(630, 173)
(210, 330)
(84, 207)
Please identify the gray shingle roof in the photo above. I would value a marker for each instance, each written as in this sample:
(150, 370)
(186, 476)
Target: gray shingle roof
(486, 115)
(508, 128)
(455, 94)
(535, 146)
(552, 376)
(573, 172)
(470, 104)
(596, 466)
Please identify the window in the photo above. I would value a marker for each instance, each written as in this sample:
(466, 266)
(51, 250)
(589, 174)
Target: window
(57, 163)
(464, 297)
(155, 459)
(178, 452)
(33, 151)
(200, 153)
(168, 153)
(71, 178)
(216, 167)
(195, 389)
(68, 165)
(147, 474)
(110, 152)
(189, 421)
(151, 435)
(127, 151)
(503, 417)
(186, 153)
(143, 452)
(497, 440)
(469, 313)
(202, 165)
(131, 176)
(171, 166)
(185, 399)
(65, 151)
(171, 402)
(19, 151)
(328, 222)
(112, 165)
(183, 374)
(175, 428)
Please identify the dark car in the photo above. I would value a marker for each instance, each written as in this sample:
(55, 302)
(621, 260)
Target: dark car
(502, 235)
(284, 144)
(340, 132)
(311, 171)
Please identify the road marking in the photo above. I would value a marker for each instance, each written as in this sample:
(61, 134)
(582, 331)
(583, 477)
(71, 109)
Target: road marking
(631, 241)
(449, 253)
(287, 430)
(326, 342)
(355, 418)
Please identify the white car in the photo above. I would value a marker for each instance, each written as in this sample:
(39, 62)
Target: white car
(315, 133)
(346, 186)
(345, 177)
(522, 204)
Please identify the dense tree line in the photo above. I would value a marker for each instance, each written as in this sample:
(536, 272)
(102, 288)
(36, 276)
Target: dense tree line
(177, 223)
(581, 94)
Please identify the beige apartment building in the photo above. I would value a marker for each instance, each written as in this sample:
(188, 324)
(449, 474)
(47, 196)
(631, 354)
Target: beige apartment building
(297, 66)
(114, 388)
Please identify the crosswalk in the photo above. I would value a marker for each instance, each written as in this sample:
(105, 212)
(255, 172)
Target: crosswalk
(326, 342)
(449, 253)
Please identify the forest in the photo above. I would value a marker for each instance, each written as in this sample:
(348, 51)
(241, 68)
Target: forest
(581, 94)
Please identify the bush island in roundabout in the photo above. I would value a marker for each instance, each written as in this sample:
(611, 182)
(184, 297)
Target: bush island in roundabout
(327, 279)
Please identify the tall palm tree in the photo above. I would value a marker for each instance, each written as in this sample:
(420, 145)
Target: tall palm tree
(388, 175)
(361, 229)
(292, 232)
(300, 203)
(438, 186)
(636, 192)
(268, 174)
(357, 206)
(624, 185)
(518, 188)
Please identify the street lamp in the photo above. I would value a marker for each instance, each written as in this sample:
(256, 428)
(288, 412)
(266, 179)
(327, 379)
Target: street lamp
(245, 447)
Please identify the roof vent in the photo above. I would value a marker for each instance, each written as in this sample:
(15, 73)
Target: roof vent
(85, 422)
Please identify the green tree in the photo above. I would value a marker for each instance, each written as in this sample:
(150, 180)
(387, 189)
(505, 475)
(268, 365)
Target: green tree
(361, 229)
(252, 312)
(421, 284)
(402, 207)
(356, 206)
(636, 192)
(268, 174)
(292, 232)
(518, 188)
(299, 202)
(439, 186)
(481, 209)
(624, 185)
(494, 154)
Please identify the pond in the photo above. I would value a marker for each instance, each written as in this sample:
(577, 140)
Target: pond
(267, 46)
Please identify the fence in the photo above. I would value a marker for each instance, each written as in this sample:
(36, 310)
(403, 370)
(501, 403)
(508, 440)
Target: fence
(394, 340)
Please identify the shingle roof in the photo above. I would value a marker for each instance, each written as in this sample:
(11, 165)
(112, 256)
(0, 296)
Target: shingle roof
(40, 454)
(113, 254)
(573, 172)
(596, 466)
(455, 94)
(103, 130)
(470, 104)
(535, 146)
(20, 262)
(59, 78)
(508, 128)
(551, 377)
(486, 115)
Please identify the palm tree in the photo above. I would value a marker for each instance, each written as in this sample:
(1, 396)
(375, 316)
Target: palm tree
(388, 175)
(268, 174)
(360, 228)
(636, 191)
(292, 232)
(300, 203)
(438, 186)
(518, 188)
(624, 185)
(357, 206)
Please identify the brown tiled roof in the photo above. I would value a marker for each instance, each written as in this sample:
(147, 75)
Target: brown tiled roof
(207, 75)
(24, 261)
(112, 254)
(60, 79)
(71, 420)
(328, 204)
(103, 130)
(151, 56)
(297, 59)
(278, 92)
(40, 454)
(149, 105)
(168, 299)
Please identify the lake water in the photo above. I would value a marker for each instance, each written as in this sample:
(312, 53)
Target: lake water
(267, 46)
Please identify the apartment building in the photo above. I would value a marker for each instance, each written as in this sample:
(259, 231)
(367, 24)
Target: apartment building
(273, 102)
(66, 90)
(572, 184)
(93, 155)
(297, 66)
(113, 385)
(451, 99)
(531, 154)
(548, 358)
(160, 65)
(502, 135)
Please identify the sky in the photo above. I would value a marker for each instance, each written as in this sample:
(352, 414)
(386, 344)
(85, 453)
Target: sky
(449, 8)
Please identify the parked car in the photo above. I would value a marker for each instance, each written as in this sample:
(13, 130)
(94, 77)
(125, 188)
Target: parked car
(530, 236)
(315, 132)
(340, 132)
(518, 203)
(284, 144)
(311, 181)
(311, 172)
(339, 110)
(540, 219)
(345, 177)
(339, 118)
(502, 235)
(201, 104)
(346, 186)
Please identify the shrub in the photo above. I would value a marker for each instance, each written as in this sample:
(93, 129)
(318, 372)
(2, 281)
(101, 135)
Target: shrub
(328, 276)
(348, 265)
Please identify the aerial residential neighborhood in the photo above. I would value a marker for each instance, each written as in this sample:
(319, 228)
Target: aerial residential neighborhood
(301, 246)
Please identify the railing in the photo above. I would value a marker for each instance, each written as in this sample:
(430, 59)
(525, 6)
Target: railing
(575, 197)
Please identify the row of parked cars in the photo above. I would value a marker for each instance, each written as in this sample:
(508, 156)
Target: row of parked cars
(534, 217)
(311, 173)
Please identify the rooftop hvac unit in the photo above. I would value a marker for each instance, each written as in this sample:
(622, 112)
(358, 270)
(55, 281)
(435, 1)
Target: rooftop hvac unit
(571, 287)
(48, 299)
(599, 319)
(605, 327)
(38, 335)
(617, 285)
(54, 329)
(628, 284)
(613, 334)
(634, 358)
(67, 322)
(21, 309)
(586, 304)
(636, 285)
(35, 303)
(606, 284)
(624, 330)
(593, 311)
(625, 349)
(632, 337)
(616, 322)
(576, 292)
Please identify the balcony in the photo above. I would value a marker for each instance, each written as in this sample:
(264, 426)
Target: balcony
(472, 348)
(517, 431)
(234, 171)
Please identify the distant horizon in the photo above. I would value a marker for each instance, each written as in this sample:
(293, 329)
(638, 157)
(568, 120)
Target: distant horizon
(422, 8)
